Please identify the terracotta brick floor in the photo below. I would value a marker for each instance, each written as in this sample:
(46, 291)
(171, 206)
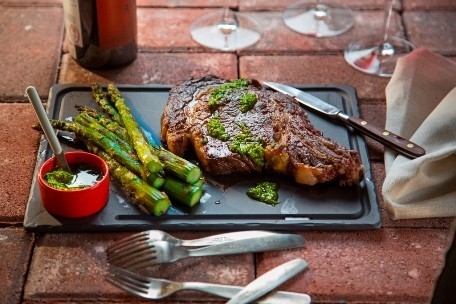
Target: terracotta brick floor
(398, 263)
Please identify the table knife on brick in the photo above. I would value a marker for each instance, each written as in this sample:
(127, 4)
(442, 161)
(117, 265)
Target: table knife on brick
(385, 137)
(268, 281)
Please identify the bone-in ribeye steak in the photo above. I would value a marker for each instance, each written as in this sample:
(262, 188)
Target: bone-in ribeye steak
(292, 145)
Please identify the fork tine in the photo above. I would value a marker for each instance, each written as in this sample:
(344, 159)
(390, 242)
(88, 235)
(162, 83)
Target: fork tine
(115, 281)
(130, 251)
(140, 263)
(138, 284)
(128, 275)
(126, 241)
(135, 255)
(131, 279)
(125, 244)
(148, 256)
(126, 286)
(143, 264)
(128, 238)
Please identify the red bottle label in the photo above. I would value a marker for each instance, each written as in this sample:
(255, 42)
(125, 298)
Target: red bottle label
(116, 22)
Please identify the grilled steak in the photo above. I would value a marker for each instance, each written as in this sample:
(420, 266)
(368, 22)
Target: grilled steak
(274, 134)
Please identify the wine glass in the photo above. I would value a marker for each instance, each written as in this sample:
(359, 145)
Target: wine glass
(226, 30)
(378, 55)
(318, 19)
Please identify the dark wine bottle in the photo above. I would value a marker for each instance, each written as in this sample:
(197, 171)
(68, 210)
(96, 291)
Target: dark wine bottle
(101, 33)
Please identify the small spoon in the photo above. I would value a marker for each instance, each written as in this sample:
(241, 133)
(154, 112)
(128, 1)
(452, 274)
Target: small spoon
(47, 128)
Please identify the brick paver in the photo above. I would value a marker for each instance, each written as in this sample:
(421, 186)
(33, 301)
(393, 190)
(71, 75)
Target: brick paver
(154, 36)
(279, 39)
(15, 249)
(153, 68)
(401, 270)
(434, 30)
(312, 69)
(160, 31)
(80, 258)
(187, 3)
(426, 4)
(281, 5)
(29, 48)
(17, 159)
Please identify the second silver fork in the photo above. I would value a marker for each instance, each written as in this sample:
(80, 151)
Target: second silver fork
(152, 288)
(160, 252)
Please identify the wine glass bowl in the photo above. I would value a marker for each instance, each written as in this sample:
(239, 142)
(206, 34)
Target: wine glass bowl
(318, 19)
(378, 55)
(372, 56)
(226, 30)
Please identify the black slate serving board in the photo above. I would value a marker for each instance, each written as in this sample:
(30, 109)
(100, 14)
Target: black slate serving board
(224, 206)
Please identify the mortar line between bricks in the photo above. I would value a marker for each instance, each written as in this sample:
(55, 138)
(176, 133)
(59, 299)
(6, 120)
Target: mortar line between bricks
(27, 271)
(60, 54)
(238, 65)
(59, 68)
(11, 225)
(255, 269)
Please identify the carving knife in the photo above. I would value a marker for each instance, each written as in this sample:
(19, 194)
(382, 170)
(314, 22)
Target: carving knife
(268, 281)
(385, 137)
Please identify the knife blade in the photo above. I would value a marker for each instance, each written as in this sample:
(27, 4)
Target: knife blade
(268, 281)
(385, 137)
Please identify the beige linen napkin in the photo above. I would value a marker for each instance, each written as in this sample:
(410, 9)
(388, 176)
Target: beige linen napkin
(421, 105)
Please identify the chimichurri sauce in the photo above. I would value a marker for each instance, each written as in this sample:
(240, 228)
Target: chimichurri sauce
(216, 129)
(81, 176)
(246, 144)
(266, 192)
(247, 99)
(225, 90)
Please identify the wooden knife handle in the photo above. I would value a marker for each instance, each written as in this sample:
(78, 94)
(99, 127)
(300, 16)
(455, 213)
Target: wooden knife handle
(387, 138)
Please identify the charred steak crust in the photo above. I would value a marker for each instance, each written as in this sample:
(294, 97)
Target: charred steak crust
(292, 145)
(174, 122)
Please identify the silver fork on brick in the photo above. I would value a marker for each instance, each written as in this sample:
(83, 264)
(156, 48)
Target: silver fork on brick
(151, 288)
(132, 242)
(159, 252)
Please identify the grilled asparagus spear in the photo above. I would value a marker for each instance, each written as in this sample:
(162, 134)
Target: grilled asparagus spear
(184, 193)
(173, 164)
(101, 100)
(106, 122)
(86, 120)
(145, 154)
(147, 198)
(111, 148)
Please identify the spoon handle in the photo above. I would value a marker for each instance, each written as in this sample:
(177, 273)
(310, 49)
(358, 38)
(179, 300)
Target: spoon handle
(46, 126)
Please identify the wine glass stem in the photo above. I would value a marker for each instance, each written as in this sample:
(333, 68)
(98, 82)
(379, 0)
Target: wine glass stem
(226, 14)
(387, 19)
(320, 5)
(228, 23)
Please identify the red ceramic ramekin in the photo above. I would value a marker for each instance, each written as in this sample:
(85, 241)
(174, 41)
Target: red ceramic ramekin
(75, 203)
